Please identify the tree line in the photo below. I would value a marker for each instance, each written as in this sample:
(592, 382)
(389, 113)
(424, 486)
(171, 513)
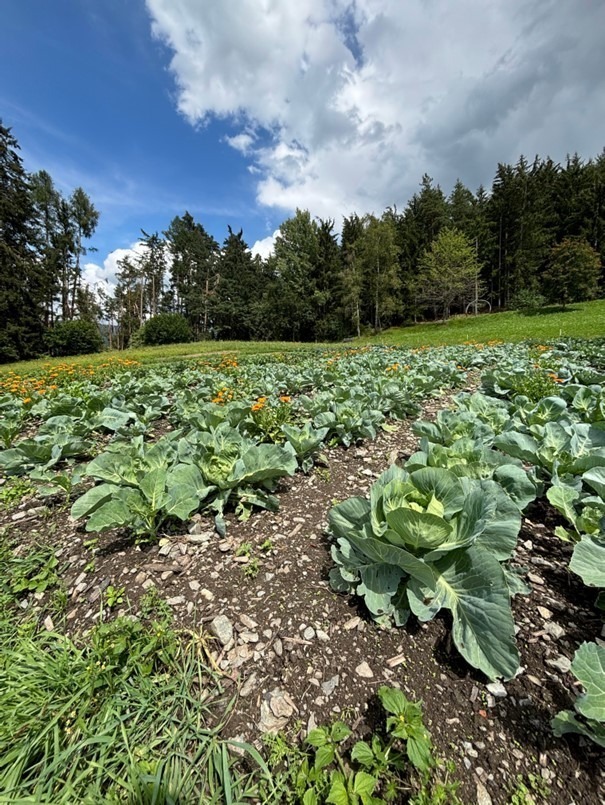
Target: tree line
(540, 229)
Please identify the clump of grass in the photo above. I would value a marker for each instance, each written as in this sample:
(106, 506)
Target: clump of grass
(131, 717)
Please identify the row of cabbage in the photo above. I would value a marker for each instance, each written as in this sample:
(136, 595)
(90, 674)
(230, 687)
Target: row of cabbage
(230, 432)
(439, 532)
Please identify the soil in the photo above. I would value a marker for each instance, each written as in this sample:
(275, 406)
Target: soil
(317, 654)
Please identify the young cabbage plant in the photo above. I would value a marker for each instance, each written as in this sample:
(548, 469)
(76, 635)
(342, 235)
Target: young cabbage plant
(426, 541)
(306, 441)
(140, 492)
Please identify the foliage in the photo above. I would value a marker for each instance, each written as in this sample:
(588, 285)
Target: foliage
(428, 540)
(449, 272)
(528, 302)
(165, 328)
(367, 773)
(573, 273)
(74, 338)
(588, 667)
(115, 721)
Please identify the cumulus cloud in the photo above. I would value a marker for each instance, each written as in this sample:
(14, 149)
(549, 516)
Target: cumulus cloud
(341, 105)
(104, 276)
(265, 246)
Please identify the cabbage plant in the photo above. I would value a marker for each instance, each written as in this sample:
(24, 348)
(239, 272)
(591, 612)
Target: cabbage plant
(428, 540)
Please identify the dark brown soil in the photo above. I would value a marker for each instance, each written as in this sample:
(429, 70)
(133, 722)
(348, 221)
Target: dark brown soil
(296, 639)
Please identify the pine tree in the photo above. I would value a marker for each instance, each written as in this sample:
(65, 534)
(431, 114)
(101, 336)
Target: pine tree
(193, 275)
(21, 280)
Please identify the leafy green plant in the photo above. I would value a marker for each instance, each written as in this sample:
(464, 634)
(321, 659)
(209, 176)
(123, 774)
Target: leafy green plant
(588, 667)
(527, 789)
(141, 490)
(165, 328)
(429, 540)
(113, 596)
(306, 441)
(34, 571)
(252, 568)
(155, 608)
(74, 338)
(13, 491)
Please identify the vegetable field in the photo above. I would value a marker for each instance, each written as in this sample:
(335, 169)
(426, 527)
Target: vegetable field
(235, 579)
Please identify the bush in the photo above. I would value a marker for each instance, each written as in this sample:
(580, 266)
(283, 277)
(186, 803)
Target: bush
(528, 302)
(167, 328)
(74, 338)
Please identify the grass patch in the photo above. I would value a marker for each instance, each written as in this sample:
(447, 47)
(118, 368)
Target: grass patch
(585, 320)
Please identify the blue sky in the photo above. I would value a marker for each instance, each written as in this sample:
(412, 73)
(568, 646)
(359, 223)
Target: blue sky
(90, 99)
(242, 110)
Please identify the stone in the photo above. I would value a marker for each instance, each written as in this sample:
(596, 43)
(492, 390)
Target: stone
(330, 685)
(275, 711)
(497, 689)
(363, 670)
(545, 613)
(194, 585)
(48, 624)
(561, 663)
(207, 594)
(309, 633)
(222, 628)
(352, 623)
(248, 637)
(324, 637)
(248, 622)
(483, 797)
(248, 686)
(176, 600)
(554, 630)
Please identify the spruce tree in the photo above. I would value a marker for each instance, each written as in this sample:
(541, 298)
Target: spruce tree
(21, 283)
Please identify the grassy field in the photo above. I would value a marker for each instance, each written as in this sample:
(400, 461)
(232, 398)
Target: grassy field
(586, 320)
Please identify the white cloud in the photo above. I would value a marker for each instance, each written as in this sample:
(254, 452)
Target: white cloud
(343, 105)
(95, 275)
(265, 246)
(241, 142)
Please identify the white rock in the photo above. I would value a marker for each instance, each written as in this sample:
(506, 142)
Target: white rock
(222, 628)
(497, 689)
(364, 670)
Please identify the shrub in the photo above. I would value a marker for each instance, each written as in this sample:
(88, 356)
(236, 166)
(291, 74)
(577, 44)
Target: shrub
(167, 328)
(74, 338)
(528, 302)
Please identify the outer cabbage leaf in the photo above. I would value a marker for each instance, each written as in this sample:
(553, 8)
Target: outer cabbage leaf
(588, 561)
(471, 583)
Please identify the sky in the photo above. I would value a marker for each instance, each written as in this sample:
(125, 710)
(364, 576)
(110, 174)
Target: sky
(240, 111)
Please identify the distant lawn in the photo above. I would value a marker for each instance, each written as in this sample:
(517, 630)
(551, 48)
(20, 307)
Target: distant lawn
(585, 320)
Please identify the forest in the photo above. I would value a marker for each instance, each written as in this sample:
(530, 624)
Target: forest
(536, 236)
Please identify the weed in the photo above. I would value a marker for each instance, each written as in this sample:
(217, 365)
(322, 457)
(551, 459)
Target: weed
(252, 568)
(267, 545)
(14, 491)
(113, 596)
(527, 792)
(154, 607)
(324, 474)
(245, 549)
